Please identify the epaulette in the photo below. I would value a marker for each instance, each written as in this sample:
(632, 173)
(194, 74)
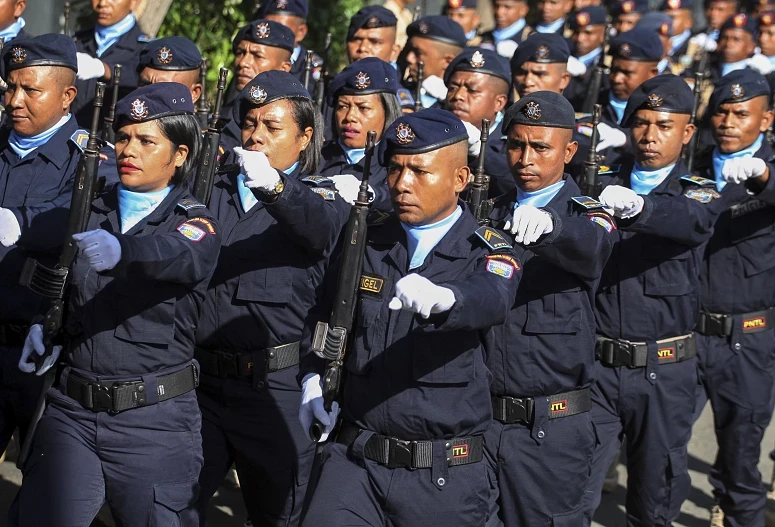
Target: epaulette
(327, 194)
(376, 218)
(582, 115)
(697, 180)
(316, 180)
(81, 138)
(605, 170)
(189, 204)
(493, 238)
(145, 39)
(587, 203)
(405, 97)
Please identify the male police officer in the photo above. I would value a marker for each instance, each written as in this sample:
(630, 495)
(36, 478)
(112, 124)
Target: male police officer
(510, 26)
(38, 158)
(464, 13)
(588, 26)
(737, 294)
(543, 357)
(626, 13)
(680, 11)
(541, 64)
(372, 33)
(416, 401)
(662, 25)
(647, 305)
(552, 15)
(171, 59)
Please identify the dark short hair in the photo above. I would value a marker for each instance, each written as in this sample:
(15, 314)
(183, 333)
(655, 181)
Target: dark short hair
(183, 130)
(390, 105)
(305, 114)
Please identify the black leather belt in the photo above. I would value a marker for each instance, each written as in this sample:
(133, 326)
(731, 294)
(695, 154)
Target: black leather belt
(618, 352)
(395, 453)
(115, 397)
(238, 365)
(511, 410)
(715, 325)
(13, 334)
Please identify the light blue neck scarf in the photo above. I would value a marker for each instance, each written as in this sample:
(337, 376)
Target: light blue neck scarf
(678, 41)
(246, 197)
(729, 67)
(497, 121)
(23, 146)
(427, 100)
(719, 158)
(538, 198)
(590, 57)
(13, 30)
(662, 65)
(295, 54)
(107, 36)
(508, 32)
(618, 107)
(134, 206)
(353, 155)
(550, 28)
(643, 181)
(423, 238)
(714, 34)
(471, 34)
(772, 60)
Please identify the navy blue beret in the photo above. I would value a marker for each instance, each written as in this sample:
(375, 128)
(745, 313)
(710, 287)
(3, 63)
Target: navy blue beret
(545, 48)
(154, 101)
(659, 23)
(268, 33)
(672, 5)
(424, 131)
(593, 15)
(627, 7)
(439, 28)
(479, 60)
(541, 108)
(265, 88)
(738, 86)
(767, 18)
(51, 49)
(663, 93)
(451, 5)
(637, 44)
(298, 8)
(365, 76)
(171, 54)
(371, 17)
(741, 21)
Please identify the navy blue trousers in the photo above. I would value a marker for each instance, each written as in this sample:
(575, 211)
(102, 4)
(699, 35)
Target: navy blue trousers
(19, 393)
(739, 385)
(654, 408)
(255, 426)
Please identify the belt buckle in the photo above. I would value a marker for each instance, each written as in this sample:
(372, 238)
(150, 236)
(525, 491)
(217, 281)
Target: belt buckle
(715, 324)
(223, 364)
(399, 453)
(625, 356)
(513, 404)
(102, 398)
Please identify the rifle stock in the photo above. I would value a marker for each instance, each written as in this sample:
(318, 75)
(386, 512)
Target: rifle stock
(107, 125)
(205, 173)
(480, 206)
(202, 107)
(330, 339)
(590, 185)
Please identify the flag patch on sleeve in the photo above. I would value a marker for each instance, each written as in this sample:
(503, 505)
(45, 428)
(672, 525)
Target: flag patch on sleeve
(191, 232)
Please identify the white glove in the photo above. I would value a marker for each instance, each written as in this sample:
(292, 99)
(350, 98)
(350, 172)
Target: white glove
(624, 202)
(100, 248)
(609, 136)
(34, 343)
(529, 223)
(703, 41)
(10, 231)
(89, 67)
(474, 139)
(760, 63)
(743, 168)
(418, 294)
(506, 48)
(258, 172)
(435, 87)
(348, 186)
(312, 406)
(576, 68)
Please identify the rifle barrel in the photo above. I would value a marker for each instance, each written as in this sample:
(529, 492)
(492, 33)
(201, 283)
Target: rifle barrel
(418, 90)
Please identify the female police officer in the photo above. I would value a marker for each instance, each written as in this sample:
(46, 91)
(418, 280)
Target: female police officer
(363, 99)
(123, 424)
(279, 226)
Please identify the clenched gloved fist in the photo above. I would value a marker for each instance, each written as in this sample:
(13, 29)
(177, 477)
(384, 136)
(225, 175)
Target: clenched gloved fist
(259, 174)
(575, 67)
(743, 168)
(418, 294)
(760, 63)
(506, 48)
(609, 137)
(624, 202)
(10, 231)
(100, 248)
(34, 344)
(435, 87)
(348, 186)
(312, 406)
(529, 223)
(703, 41)
(89, 67)
(474, 139)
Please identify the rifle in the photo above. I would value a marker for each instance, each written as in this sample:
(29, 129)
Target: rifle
(477, 200)
(205, 173)
(590, 185)
(418, 88)
(67, 19)
(107, 124)
(596, 80)
(330, 339)
(307, 68)
(691, 148)
(320, 88)
(202, 108)
(53, 282)
(417, 14)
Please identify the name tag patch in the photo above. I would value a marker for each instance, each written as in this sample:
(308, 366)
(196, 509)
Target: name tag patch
(755, 323)
(502, 265)
(191, 232)
(371, 284)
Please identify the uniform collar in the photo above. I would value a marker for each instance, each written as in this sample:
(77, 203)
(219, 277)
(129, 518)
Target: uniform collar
(57, 149)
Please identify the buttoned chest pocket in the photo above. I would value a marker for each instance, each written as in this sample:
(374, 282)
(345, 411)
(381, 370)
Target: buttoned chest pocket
(444, 357)
(369, 335)
(667, 270)
(554, 300)
(144, 313)
(754, 238)
(269, 284)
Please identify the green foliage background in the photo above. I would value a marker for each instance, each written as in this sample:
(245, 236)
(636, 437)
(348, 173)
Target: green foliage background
(212, 24)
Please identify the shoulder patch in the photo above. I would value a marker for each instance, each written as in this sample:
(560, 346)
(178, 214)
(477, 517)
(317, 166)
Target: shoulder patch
(493, 238)
(207, 224)
(604, 170)
(80, 138)
(584, 129)
(587, 202)
(190, 231)
(602, 219)
(145, 38)
(502, 264)
(325, 193)
(703, 195)
(188, 204)
(316, 180)
(697, 180)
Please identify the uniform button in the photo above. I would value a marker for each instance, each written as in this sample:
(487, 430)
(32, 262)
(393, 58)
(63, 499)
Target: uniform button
(141, 388)
(653, 376)
(260, 384)
(541, 434)
(446, 445)
(441, 482)
(737, 346)
(271, 354)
